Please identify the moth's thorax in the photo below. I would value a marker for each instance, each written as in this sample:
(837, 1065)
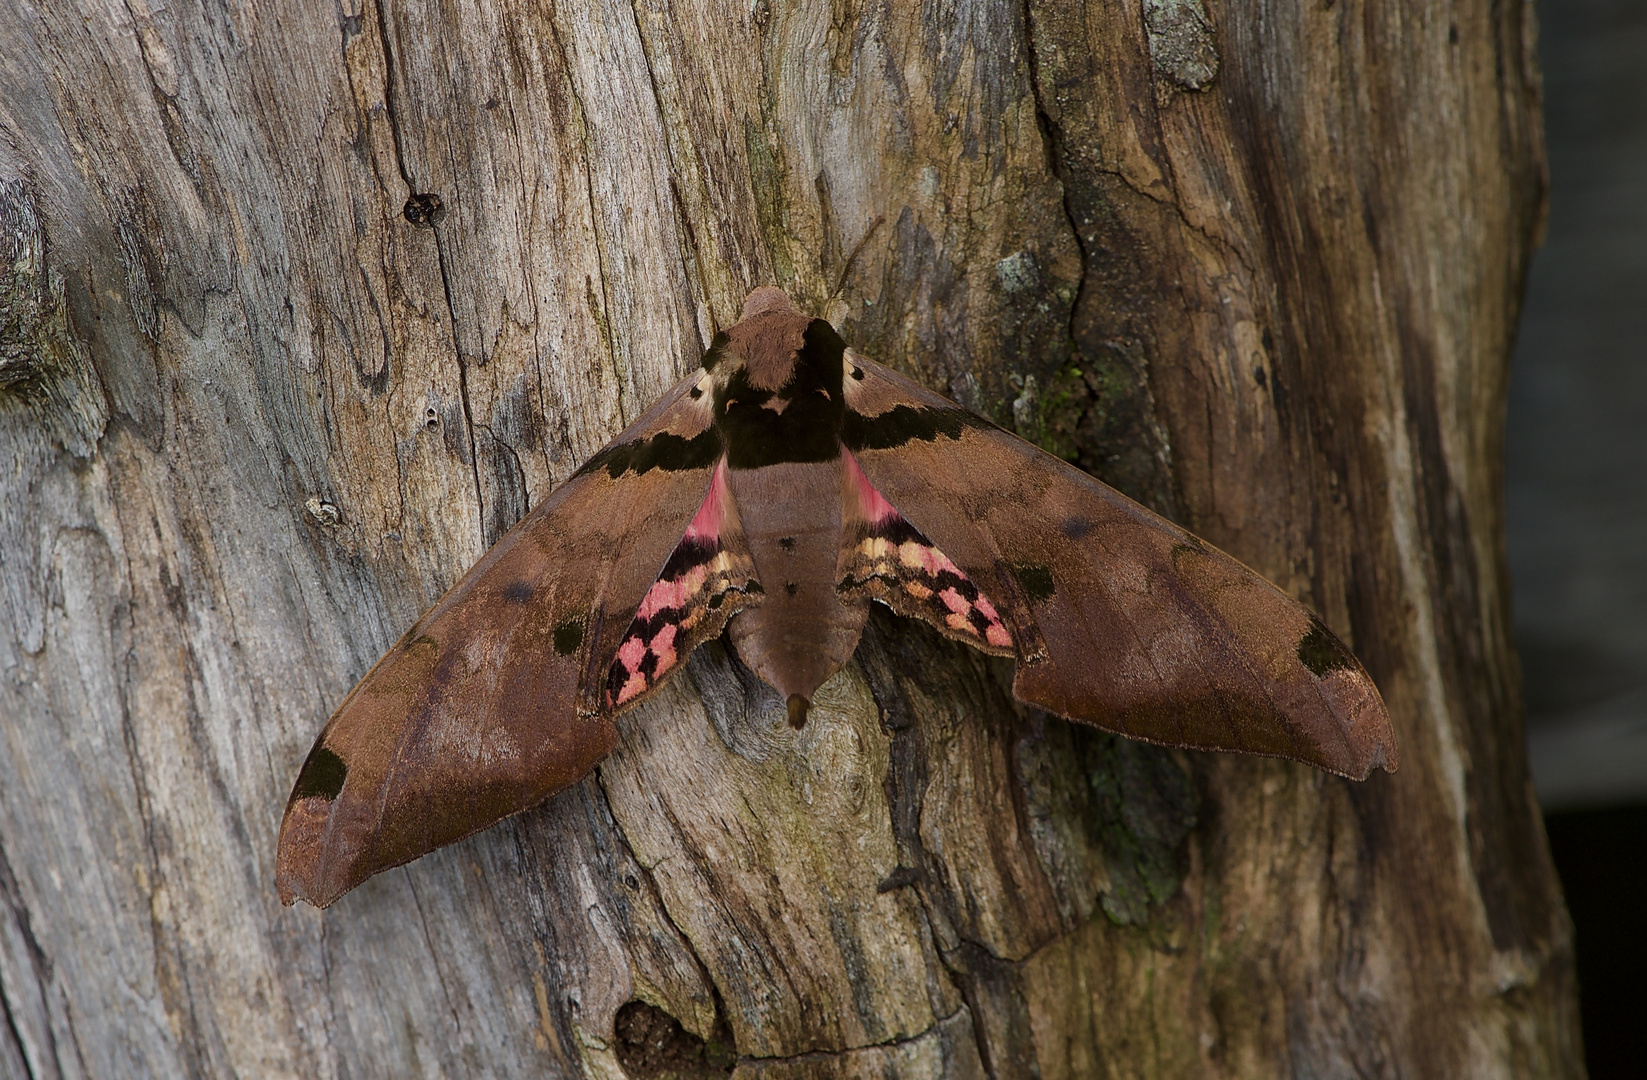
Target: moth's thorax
(775, 381)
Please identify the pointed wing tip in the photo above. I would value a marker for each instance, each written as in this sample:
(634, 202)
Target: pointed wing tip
(1371, 730)
(1370, 743)
(294, 884)
(300, 862)
(290, 892)
(1382, 755)
(1386, 754)
(297, 882)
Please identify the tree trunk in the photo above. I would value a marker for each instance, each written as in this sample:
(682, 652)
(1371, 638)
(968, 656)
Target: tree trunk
(305, 304)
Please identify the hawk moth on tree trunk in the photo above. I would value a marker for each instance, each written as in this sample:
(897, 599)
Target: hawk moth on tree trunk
(773, 495)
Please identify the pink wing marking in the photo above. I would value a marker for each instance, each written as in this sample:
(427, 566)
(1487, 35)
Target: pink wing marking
(706, 523)
(691, 585)
(892, 561)
(871, 503)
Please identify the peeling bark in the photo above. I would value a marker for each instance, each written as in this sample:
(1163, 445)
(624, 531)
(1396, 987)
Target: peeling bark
(301, 308)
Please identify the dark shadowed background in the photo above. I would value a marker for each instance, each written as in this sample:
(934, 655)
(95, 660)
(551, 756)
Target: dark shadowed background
(1576, 488)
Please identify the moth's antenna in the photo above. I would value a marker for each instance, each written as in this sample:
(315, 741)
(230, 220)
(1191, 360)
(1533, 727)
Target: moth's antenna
(840, 282)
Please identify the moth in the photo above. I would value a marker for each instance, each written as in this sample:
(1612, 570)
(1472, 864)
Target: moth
(773, 495)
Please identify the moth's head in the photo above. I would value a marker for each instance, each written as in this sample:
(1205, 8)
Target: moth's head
(773, 381)
(774, 351)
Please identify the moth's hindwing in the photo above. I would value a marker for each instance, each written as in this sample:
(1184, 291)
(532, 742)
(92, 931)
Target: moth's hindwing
(1119, 618)
(709, 577)
(885, 558)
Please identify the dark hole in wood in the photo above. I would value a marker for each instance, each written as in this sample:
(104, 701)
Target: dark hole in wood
(652, 1044)
(424, 209)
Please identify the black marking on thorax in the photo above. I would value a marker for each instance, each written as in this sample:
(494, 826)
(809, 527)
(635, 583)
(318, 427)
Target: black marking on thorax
(798, 422)
(717, 349)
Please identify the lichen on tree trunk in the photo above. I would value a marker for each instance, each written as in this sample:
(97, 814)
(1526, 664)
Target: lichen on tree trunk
(261, 402)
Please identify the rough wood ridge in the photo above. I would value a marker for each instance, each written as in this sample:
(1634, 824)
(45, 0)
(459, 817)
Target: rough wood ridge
(302, 305)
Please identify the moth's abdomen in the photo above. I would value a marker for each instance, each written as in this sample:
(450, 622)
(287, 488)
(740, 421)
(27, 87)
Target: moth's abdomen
(802, 632)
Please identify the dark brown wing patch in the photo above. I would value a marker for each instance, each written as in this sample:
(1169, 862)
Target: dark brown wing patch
(885, 558)
(708, 578)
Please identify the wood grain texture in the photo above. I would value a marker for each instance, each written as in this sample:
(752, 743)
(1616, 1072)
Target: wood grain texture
(1257, 265)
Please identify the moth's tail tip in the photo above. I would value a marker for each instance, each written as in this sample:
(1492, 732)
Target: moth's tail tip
(797, 711)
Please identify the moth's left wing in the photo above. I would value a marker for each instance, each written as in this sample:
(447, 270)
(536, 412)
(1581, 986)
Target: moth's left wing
(502, 693)
(1118, 617)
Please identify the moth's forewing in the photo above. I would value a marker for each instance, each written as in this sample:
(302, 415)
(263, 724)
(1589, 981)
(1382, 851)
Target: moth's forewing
(492, 702)
(1121, 619)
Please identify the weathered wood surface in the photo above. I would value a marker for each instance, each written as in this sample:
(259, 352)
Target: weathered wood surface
(1257, 264)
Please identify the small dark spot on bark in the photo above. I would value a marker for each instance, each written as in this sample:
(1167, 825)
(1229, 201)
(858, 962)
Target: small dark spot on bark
(431, 416)
(857, 373)
(518, 592)
(322, 776)
(424, 210)
(787, 543)
(1077, 527)
(791, 588)
(176, 601)
(1260, 378)
(898, 879)
(1321, 651)
(1452, 34)
(491, 103)
(1036, 581)
(695, 393)
(568, 636)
